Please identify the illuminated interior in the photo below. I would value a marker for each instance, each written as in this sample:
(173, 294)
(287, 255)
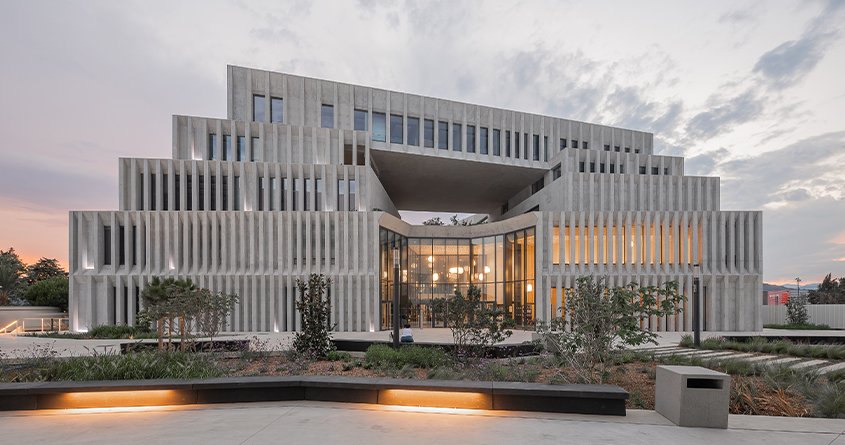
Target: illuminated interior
(501, 266)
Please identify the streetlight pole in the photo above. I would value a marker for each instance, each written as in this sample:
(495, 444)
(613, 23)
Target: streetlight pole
(798, 291)
(396, 297)
(696, 306)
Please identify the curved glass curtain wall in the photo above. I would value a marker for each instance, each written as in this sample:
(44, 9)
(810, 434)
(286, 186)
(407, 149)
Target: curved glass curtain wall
(502, 266)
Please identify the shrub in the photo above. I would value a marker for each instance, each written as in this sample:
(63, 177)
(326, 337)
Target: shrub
(338, 356)
(117, 331)
(49, 292)
(796, 311)
(711, 343)
(604, 321)
(314, 338)
(474, 325)
(802, 326)
(686, 341)
(383, 356)
(137, 366)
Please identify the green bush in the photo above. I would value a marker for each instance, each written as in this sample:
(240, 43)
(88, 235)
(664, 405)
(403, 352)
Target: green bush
(686, 341)
(384, 356)
(338, 356)
(119, 331)
(137, 366)
(802, 326)
(49, 292)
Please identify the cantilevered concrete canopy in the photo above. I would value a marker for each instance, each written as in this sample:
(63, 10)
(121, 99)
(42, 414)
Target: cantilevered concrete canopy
(439, 184)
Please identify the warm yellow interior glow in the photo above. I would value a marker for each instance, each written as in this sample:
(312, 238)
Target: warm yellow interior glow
(107, 399)
(434, 399)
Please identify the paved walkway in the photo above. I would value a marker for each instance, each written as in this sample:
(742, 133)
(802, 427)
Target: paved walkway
(315, 422)
(821, 366)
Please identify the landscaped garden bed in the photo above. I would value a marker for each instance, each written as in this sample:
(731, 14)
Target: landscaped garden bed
(755, 390)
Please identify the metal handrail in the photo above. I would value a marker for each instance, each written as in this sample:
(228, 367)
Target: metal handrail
(45, 324)
(8, 328)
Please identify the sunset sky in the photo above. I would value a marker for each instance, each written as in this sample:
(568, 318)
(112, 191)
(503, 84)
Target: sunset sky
(753, 92)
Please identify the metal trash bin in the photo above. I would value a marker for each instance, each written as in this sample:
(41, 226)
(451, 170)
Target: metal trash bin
(693, 396)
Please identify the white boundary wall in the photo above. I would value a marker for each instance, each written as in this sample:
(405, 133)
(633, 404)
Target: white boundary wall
(832, 315)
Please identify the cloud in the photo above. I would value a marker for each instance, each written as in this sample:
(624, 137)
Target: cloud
(810, 165)
(788, 63)
(724, 114)
(704, 164)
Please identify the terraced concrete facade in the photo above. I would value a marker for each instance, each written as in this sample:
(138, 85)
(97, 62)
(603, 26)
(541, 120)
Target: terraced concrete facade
(306, 175)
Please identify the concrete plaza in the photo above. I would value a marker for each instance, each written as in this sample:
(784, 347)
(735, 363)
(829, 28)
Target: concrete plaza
(321, 422)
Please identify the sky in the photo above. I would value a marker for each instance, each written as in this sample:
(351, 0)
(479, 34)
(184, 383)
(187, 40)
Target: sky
(752, 92)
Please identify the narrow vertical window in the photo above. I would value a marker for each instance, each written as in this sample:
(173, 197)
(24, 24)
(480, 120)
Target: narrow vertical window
(177, 191)
(212, 147)
(213, 192)
(276, 110)
(556, 172)
(153, 196)
(256, 149)
(271, 198)
(201, 194)
(497, 142)
(414, 131)
(237, 193)
(225, 194)
(318, 195)
(525, 147)
(428, 133)
(556, 245)
(189, 192)
(106, 245)
(516, 144)
(261, 193)
(379, 129)
(283, 194)
(396, 129)
(353, 192)
(457, 145)
(574, 143)
(227, 147)
(562, 143)
(258, 108)
(134, 245)
(327, 116)
(121, 245)
(545, 149)
(586, 145)
(483, 137)
(241, 148)
(361, 120)
(470, 138)
(295, 194)
(507, 143)
(536, 152)
(308, 194)
(341, 194)
(443, 135)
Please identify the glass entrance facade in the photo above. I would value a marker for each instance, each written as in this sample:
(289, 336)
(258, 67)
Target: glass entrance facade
(502, 266)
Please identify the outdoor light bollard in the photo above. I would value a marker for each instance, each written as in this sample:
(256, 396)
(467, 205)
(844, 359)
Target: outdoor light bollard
(693, 396)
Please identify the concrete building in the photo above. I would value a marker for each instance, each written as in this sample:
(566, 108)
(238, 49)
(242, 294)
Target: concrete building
(306, 175)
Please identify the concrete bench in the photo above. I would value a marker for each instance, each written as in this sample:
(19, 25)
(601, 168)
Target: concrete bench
(582, 399)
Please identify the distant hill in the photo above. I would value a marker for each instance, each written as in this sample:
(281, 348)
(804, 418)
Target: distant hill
(773, 287)
(809, 286)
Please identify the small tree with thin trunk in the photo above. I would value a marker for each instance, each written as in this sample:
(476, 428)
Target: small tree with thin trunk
(314, 339)
(603, 321)
(796, 311)
(474, 324)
